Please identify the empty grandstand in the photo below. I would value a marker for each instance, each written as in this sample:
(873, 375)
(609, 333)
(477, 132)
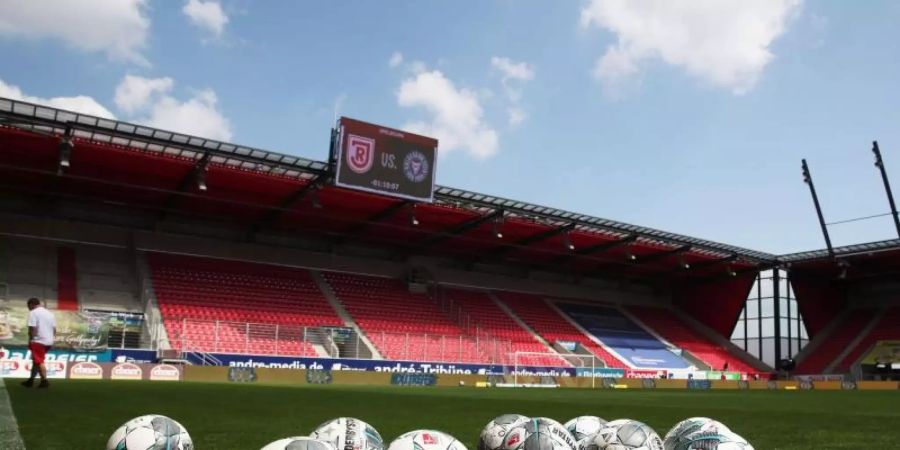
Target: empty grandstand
(216, 249)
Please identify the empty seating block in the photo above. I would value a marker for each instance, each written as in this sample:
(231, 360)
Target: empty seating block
(237, 307)
(403, 325)
(887, 328)
(493, 320)
(817, 361)
(547, 322)
(670, 327)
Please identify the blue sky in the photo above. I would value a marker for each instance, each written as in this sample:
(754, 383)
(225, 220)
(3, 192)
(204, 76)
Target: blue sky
(689, 116)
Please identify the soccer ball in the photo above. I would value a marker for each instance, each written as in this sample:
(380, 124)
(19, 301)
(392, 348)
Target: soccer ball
(150, 432)
(426, 440)
(626, 434)
(709, 440)
(538, 433)
(492, 435)
(298, 443)
(703, 433)
(694, 424)
(347, 433)
(584, 426)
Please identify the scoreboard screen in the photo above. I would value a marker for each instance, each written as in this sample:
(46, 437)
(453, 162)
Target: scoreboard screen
(385, 161)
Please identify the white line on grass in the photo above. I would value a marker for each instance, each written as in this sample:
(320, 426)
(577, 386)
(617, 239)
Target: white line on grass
(9, 430)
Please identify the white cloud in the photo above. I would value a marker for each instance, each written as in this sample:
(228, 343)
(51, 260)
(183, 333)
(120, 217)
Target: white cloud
(512, 70)
(724, 42)
(147, 101)
(456, 115)
(115, 27)
(516, 116)
(417, 67)
(396, 59)
(151, 103)
(207, 15)
(197, 116)
(134, 92)
(513, 76)
(80, 103)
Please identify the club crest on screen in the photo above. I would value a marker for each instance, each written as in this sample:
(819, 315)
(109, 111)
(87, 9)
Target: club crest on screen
(415, 166)
(360, 153)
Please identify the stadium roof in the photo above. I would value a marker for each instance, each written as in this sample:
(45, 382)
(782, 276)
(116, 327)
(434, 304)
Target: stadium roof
(852, 262)
(868, 248)
(159, 170)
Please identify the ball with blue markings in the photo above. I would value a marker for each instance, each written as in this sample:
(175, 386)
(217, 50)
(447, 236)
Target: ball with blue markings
(703, 433)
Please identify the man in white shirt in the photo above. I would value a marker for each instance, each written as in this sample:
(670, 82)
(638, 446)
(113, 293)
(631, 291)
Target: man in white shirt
(41, 331)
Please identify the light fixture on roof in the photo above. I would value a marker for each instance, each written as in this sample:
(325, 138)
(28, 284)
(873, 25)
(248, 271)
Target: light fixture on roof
(314, 197)
(682, 263)
(730, 271)
(412, 216)
(844, 265)
(567, 242)
(631, 257)
(65, 150)
(498, 222)
(201, 180)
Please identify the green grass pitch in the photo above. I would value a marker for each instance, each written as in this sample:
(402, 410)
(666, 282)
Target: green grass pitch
(82, 414)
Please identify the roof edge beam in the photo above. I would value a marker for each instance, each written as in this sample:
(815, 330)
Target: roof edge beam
(664, 254)
(384, 214)
(287, 203)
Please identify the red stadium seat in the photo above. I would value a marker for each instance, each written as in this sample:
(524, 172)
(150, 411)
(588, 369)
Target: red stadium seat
(887, 328)
(237, 307)
(403, 325)
(490, 318)
(821, 357)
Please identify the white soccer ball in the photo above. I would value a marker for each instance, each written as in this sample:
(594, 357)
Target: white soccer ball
(347, 433)
(693, 424)
(298, 443)
(426, 440)
(538, 433)
(627, 434)
(678, 434)
(492, 435)
(150, 432)
(584, 426)
(703, 433)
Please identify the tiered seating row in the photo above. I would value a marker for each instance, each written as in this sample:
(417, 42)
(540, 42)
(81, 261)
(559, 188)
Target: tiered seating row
(682, 335)
(817, 361)
(261, 309)
(887, 328)
(547, 322)
(403, 325)
(491, 319)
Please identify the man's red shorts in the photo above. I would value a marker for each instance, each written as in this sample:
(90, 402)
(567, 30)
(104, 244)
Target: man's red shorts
(38, 352)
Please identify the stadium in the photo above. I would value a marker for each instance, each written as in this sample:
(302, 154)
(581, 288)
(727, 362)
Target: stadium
(237, 282)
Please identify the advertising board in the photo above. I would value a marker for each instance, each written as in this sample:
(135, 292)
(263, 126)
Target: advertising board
(385, 161)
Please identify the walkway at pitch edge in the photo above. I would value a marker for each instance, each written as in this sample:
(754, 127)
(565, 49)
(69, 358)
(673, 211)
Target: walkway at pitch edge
(9, 429)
